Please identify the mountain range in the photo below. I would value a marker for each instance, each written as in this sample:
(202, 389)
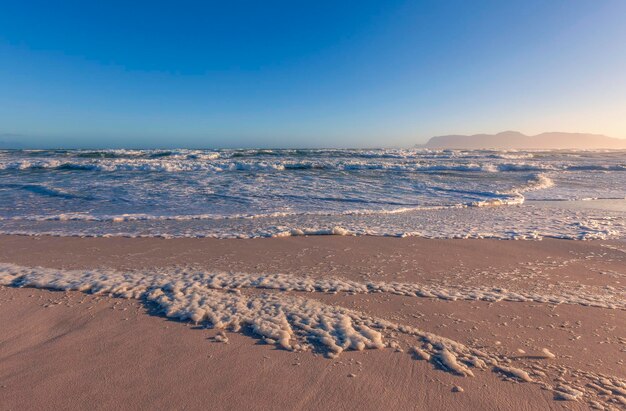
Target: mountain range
(517, 140)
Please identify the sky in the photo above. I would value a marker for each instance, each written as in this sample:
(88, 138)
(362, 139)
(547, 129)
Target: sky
(208, 74)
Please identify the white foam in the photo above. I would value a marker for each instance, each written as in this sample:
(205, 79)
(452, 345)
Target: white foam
(515, 372)
(606, 297)
(216, 193)
(296, 323)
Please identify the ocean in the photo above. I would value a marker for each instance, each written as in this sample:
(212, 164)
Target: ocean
(272, 193)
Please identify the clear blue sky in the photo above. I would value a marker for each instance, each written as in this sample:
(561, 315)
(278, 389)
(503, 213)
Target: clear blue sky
(323, 73)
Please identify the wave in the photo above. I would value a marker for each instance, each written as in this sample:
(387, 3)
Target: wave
(216, 165)
(46, 191)
(52, 192)
(253, 160)
(597, 167)
(87, 217)
(537, 182)
(513, 196)
(276, 185)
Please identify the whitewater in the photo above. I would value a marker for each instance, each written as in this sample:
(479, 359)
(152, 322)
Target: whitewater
(270, 193)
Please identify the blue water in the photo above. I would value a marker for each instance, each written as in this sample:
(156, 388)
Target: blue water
(247, 193)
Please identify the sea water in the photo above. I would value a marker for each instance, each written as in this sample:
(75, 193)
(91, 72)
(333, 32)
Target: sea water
(261, 193)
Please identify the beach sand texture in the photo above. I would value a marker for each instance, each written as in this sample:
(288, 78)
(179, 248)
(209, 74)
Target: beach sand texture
(311, 322)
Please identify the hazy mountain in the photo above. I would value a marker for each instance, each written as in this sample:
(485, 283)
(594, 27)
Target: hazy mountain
(517, 140)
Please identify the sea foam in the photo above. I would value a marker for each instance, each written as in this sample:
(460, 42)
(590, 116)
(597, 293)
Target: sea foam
(397, 192)
(280, 316)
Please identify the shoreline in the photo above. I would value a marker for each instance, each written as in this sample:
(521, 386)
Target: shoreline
(43, 326)
(598, 219)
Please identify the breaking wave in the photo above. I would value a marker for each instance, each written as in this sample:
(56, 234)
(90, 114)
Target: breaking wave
(214, 165)
(289, 187)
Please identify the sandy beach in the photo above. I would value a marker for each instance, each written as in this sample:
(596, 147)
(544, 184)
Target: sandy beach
(313, 206)
(73, 350)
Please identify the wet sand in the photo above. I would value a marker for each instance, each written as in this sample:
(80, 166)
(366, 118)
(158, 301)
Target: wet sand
(71, 350)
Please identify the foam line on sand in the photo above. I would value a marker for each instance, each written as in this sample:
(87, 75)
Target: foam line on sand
(266, 305)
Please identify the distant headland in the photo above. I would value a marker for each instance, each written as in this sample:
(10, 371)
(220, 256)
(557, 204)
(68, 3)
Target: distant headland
(517, 140)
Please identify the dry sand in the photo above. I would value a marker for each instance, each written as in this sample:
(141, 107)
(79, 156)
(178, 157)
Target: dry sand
(71, 350)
